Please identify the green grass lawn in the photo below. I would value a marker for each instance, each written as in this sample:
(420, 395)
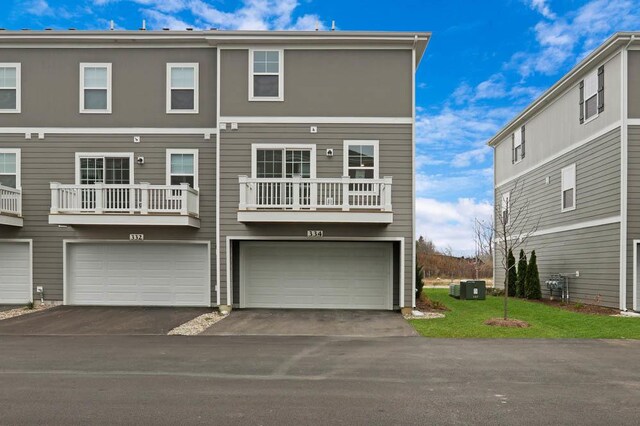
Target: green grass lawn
(466, 319)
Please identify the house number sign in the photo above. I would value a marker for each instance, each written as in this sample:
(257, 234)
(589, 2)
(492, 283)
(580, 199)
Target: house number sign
(136, 237)
(315, 234)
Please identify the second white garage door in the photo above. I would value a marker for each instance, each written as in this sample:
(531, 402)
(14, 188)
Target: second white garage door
(137, 274)
(338, 275)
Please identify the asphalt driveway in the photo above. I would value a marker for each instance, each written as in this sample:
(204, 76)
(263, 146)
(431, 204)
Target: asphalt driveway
(93, 320)
(312, 322)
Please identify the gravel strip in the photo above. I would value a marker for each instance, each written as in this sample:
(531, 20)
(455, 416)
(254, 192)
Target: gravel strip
(12, 313)
(423, 315)
(197, 325)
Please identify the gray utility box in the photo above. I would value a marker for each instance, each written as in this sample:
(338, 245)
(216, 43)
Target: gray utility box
(473, 290)
(454, 290)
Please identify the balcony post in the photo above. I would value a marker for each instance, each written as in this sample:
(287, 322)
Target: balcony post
(55, 194)
(132, 199)
(296, 194)
(184, 193)
(242, 181)
(144, 194)
(345, 193)
(99, 207)
(19, 202)
(386, 190)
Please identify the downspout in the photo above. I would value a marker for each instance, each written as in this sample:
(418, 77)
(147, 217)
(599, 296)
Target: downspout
(413, 169)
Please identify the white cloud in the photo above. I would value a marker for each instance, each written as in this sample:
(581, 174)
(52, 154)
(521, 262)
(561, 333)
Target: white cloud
(37, 7)
(470, 181)
(542, 7)
(473, 156)
(450, 224)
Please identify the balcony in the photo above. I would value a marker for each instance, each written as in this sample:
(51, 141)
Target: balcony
(10, 206)
(139, 204)
(337, 200)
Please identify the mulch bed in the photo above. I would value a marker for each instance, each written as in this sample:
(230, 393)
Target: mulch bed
(581, 308)
(501, 322)
(425, 304)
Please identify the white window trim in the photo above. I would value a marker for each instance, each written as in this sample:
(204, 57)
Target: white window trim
(194, 152)
(129, 155)
(256, 146)
(18, 67)
(280, 97)
(562, 188)
(589, 96)
(376, 155)
(506, 206)
(517, 138)
(83, 66)
(17, 152)
(196, 87)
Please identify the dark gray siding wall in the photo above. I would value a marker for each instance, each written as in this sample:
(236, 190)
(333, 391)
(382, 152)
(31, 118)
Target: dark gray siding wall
(633, 203)
(395, 160)
(588, 250)
(332, 83)
(595, 252)
(53, 159)
(51, 87)
(633, 61)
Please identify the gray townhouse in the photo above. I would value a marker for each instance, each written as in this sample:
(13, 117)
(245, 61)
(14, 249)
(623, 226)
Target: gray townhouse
(574, 156)
(208, 168)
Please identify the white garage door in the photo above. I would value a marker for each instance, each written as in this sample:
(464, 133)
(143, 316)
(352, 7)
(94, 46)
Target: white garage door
(340, 275)
(15, 272)
(137, 274)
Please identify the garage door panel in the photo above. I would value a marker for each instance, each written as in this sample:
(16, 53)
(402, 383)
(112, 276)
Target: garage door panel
(15, 272)
(316, 275)
(157, 274)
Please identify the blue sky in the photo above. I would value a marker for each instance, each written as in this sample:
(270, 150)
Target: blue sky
(487, 60)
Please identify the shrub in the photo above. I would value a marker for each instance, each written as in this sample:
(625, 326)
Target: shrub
(522, 274)
(511, 274)
(532, 281)
(419, 282)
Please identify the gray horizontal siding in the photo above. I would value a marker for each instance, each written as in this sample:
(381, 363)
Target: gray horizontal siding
(395, 160)
(53, 159)
(597, 185)
(51, 86)
(595, 252)
(633, 204)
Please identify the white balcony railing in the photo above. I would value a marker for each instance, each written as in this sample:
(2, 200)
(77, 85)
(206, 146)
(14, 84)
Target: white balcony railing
(341, 194)
(10, 201)
(143, 199)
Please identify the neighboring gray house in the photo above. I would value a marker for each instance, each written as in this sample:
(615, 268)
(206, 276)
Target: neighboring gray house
(188, 168)
(575, 152)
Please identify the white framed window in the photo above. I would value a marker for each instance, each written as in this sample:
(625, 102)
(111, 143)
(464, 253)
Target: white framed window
(95, 88)
(111, 168)
(182, 88)
(10, 88)
(10, 167)
(568, 193)
(266, 75)
(505, 208)
(361, 159)
(283, 161)
(591, 96)
(182, 167)
(517, 146)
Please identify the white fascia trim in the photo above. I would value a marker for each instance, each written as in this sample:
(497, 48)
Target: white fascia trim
(400, 240)
(633, 121)
(283, 146)
(109, 131)
(18, 88)
(124, 220)
(128, 155)
(108, 88)
(576, 226)
(316, 47)
(66, 242)
(196, 87)
(559, 154)
(376, 155)
(315, 120)
(314, 217)
(11, 221)
(636, 305)
(193, 152)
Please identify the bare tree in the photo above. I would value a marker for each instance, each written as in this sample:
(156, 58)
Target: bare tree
(513, 227)
(483, 240)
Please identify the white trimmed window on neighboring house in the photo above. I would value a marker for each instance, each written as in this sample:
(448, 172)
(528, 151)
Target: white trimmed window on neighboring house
(182, 167)
(568, 178)
(10, 87)
(592, 95)
(182, 88)
(10, 167)
(266, 75)
(518, 145)
(95, 88)
(506, 208)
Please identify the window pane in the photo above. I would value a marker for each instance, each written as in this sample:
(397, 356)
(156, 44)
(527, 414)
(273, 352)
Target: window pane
(182, 78)
(182, 164)
(7, 77)
(182, 99)
(95, 99)
(8, 180)
(567, 198)
(272, 56)
(91, 170)
(259, 67)
(117, 171)
(7, 99)
(7, 163)
(272, 67)
(591, 108)
(265, 85)
(95, 77)
(260, 56)
(361, 173)
(177, 180)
